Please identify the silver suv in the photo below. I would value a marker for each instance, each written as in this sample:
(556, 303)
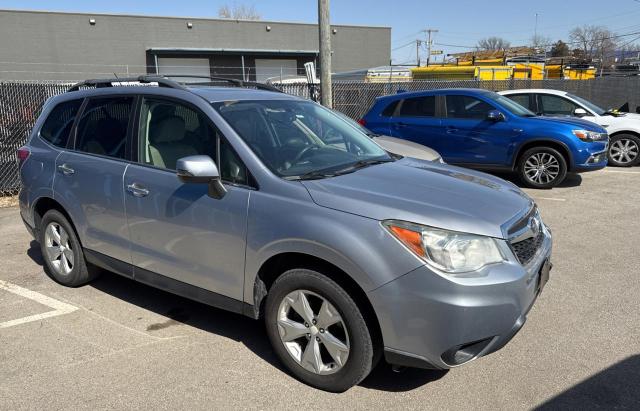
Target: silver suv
(268, 205)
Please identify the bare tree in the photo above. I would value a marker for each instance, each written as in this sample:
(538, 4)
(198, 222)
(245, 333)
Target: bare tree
(238, 12)
(541, 42)
(595, 42)
(493, 43)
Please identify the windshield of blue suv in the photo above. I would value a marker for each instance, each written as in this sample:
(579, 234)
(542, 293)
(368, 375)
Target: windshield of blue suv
(299, 139)
(512, 106)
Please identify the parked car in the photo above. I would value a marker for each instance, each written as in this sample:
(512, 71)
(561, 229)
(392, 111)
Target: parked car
(397, 146)
(482, 129)
(233, 197)
(623, 128)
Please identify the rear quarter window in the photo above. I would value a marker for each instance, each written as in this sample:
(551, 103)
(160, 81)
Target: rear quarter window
(390, 109)
(57, 127)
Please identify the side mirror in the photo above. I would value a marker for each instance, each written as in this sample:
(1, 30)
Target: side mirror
(580, 112)
(495, 115)
(201, 170)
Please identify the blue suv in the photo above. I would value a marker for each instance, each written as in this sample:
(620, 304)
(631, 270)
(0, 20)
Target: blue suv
(484, 130)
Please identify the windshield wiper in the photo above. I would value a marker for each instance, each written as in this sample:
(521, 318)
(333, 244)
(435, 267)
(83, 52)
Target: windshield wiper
(312, 175)
(322, 173)
(363, 163)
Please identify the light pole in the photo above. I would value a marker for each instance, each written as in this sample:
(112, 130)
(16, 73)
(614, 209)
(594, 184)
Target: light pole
(324, 33)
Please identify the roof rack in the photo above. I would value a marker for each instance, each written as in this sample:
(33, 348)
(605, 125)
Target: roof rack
(215, 80)
(162, 81)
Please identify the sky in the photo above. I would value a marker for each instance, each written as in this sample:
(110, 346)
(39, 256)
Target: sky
(460, 23)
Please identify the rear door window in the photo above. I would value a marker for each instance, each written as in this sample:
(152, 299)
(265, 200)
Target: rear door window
(103, 126)
(57, 127)
(467, 107)
(418, 107)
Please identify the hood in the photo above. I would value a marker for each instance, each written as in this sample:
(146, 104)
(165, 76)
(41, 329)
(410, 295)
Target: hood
(433, 194)
(571, 121)
(406, 148)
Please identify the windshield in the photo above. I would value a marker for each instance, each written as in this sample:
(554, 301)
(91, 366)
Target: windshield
(355, 124)
(589, 105)
(512, 106)
(299, 139)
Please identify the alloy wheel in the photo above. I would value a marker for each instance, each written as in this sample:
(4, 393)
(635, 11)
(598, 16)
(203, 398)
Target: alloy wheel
(624, 151)
(58, 246)
(542, 168)
(313, 332)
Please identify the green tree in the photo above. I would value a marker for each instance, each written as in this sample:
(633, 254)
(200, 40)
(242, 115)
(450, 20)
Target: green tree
(560, 49)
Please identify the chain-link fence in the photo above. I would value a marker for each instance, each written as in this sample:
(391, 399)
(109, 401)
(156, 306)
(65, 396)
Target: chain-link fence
(355, 98)
(20, 103)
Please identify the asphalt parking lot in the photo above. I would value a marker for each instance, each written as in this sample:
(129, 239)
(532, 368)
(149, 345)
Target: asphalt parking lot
(118, 344)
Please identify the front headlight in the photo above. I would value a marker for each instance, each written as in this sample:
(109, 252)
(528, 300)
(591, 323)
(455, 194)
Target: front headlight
(448, 251)
(589, 136)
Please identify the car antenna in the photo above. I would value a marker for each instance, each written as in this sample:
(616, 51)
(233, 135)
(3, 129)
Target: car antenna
(117, 78)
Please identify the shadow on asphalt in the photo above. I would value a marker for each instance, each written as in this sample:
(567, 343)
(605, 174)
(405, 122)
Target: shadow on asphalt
(617, 387)
(249, 332)
(572, 180)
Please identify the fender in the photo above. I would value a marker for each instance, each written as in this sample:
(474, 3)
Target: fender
(527, 142)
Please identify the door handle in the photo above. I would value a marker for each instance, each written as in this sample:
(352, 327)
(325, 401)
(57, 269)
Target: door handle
(400, 125)
(137, 190)
(65, 169)
(452, 130)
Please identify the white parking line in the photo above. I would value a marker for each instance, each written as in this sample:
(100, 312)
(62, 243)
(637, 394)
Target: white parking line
(59, 308)
(550, 198)
(621, 171)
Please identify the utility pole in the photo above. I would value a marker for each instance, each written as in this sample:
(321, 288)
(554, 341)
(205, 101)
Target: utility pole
(324, 28)
(429, 43)
(418, 42)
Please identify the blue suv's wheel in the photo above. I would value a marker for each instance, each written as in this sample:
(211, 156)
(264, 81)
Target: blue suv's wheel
(542, 167)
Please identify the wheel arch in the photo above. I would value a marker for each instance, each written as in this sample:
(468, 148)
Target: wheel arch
(44, 204)
(278, 264)
(630, 132)
(561, 147)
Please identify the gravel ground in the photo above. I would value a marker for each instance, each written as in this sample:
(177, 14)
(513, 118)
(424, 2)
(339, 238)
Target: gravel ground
(116, 344)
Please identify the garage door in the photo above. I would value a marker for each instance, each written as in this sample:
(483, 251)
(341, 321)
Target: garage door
(193, 66)
(269, 68)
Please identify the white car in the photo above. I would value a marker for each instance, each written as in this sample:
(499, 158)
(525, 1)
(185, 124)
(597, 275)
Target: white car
(623, 128)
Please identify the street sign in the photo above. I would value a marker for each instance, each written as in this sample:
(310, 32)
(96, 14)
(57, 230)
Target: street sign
(436, 52)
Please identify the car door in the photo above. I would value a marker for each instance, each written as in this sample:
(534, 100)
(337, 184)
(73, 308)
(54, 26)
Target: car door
(88, 180)
(177, 230)
(473, 138)
(415, 120)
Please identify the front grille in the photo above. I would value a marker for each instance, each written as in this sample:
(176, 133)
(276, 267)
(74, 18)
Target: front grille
(526, 249)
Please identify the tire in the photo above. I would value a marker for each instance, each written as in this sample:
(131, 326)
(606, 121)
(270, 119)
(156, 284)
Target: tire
(553, 167)
(624, 150)
(335, 375)
(67, 267)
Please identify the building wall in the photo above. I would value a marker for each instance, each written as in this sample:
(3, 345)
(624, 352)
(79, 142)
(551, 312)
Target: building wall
(46, 45)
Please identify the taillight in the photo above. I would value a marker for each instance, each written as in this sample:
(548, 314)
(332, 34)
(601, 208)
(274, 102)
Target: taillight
(23, 154)
(362, 122)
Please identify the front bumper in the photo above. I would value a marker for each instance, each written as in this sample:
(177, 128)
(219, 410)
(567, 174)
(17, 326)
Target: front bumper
(429, 320)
